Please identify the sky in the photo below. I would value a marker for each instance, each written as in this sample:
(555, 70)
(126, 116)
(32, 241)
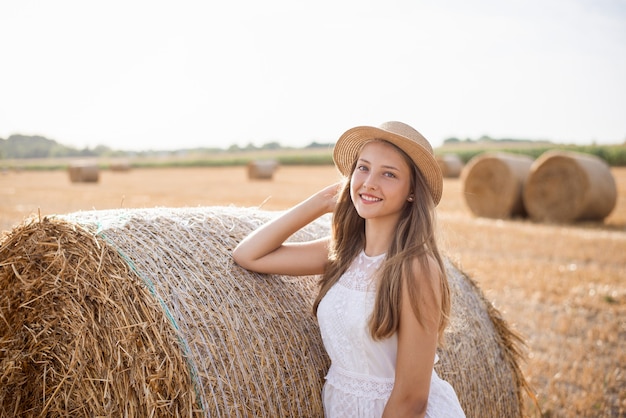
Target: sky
(153, 74)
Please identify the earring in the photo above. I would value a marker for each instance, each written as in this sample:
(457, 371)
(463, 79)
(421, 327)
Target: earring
(410, 198)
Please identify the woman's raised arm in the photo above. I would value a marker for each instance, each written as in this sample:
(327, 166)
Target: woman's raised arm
(265, 250)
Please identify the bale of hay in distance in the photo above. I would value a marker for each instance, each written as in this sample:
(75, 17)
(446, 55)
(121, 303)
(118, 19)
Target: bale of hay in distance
(493, 184)
(120, 166)
(143, 313)
(83, 172)
(451, 165)
(262, 169)
(566, 186)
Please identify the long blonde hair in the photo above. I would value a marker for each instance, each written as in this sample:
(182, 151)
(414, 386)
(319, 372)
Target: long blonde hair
(414, 239)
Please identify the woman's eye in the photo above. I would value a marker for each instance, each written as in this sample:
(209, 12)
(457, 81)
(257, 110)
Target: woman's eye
(361, 168)
(389, 174)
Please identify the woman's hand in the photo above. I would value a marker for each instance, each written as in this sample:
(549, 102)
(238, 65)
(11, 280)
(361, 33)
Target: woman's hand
(329, 196)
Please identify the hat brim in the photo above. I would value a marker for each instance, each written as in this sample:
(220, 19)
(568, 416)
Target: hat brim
(349, 145)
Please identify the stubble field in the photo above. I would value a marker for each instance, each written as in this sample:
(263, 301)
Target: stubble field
(563, 288)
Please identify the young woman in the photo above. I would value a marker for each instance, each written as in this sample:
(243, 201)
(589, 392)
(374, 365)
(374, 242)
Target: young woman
(384, 300)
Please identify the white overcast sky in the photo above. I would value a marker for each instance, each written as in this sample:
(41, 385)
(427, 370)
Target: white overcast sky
(146, 74)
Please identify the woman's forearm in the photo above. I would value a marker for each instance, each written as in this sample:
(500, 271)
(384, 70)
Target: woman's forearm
(265, 246)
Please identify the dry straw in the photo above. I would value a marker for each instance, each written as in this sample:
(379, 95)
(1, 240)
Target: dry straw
(493, 184)
(451, 165)
(262, 169)
(83, 172)
(120, 165)
(568, 186)
(143, 313)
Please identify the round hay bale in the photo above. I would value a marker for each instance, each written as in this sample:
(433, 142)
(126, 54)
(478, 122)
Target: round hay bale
(451, 165)
(143, 313)
(493, 184)
(568, 186)
(83, 172)
(262, 169)
(120, 166)
(481, 354)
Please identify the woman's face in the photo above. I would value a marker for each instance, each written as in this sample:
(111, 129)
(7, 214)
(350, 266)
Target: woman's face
(380, 184)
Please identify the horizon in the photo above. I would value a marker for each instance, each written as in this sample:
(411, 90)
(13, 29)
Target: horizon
(447, 143)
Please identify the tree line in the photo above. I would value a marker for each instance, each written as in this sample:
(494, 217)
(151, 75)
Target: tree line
(39, 147)
(22, 147)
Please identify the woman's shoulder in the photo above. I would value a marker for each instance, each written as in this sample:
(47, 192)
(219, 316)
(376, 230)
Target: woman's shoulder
(428, 278)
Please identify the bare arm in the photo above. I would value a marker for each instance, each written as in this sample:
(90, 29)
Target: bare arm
(417, 344)
(265, 249)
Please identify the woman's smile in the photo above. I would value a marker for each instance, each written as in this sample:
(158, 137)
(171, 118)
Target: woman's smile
(367, 198)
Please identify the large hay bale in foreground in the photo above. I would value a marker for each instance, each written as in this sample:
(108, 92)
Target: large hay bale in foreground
(143, 313)
(262, 169)
(451, 165)
(568, 186)
(493, 184)
(83, 172)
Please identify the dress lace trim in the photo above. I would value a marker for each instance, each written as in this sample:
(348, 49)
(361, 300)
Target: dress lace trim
(359, 275)
(363, 386)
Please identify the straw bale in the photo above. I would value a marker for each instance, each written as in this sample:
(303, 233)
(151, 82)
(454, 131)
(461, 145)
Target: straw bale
(451, 165)
(262, 169)
(142, 312)
(493, 184)
(567, 187)
(80, 334)
(482, 354)
(120, 166)
(83, 172)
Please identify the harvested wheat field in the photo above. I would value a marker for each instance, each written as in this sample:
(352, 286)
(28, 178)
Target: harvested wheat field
(560, 286)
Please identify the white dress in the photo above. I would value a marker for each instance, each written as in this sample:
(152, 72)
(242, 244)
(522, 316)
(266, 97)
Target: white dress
(361, 375)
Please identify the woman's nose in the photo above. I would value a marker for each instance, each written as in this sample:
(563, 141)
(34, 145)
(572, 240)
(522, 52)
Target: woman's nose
(369, 183)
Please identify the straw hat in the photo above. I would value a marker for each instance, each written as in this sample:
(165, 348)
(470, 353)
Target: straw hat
(399, 134)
